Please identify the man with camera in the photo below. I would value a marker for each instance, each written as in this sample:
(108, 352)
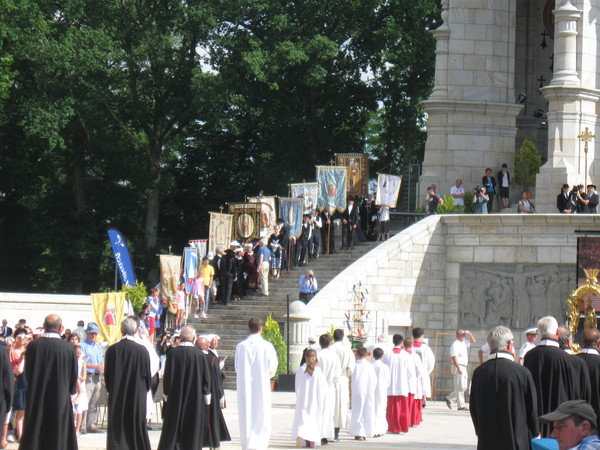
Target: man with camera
(308, 286)
(480, 199)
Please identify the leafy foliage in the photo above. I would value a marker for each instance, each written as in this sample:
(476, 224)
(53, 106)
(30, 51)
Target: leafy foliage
(272, 333)
(527, 164)
(449, 207)
(136, 295)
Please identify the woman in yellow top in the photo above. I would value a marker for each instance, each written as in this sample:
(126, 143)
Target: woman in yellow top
(207, 273)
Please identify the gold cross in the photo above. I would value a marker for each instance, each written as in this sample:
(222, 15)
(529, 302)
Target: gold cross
(586, 137)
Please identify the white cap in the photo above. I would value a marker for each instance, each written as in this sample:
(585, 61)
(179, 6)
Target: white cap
(210, 255)
(234, 244)
(312, 339)
(531, 331)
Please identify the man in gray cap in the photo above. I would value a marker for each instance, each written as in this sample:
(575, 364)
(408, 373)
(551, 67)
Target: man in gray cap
(574, 426)
(93, 382)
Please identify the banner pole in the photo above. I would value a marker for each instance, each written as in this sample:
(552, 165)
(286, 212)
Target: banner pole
(116, 275)
(288, 333)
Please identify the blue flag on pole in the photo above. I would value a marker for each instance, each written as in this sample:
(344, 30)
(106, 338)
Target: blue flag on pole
(122, 257)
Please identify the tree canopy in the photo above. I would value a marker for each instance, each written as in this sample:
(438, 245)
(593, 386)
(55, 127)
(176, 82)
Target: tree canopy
(145, 115)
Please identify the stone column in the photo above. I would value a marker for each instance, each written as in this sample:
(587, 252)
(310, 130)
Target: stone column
(299, 332)
(572, 97)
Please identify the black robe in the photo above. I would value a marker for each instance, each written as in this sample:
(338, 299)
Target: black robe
(592, 361)
(503, 405)
(185, 382)
(216, 431)
(7, 384)
(554, 377)
(51, 371)
(581, 389)
(127, 377)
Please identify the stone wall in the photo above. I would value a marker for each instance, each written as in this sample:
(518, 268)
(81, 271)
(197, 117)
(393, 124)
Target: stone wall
(425, 276)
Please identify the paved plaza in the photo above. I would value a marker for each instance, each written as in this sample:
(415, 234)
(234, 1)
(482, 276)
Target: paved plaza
(441, 429)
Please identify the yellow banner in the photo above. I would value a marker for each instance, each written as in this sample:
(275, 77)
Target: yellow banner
(170, 273)
(109, 310)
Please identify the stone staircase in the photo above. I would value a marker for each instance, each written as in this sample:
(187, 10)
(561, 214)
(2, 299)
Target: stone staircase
(231, 322)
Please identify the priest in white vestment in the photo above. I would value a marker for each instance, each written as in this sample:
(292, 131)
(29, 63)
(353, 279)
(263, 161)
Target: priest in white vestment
(310, 396)
(255, 365)
(342, 393)
(427, 359)
(330, 365)
(381, 389)
(364, 381)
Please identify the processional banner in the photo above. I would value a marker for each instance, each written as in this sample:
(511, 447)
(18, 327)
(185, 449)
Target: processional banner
(170, 271)
(190, 267)
(268, 214)
(290, 210)
(332, 188)
(122, 257)
(246, 221)
(358, 172)
(306, 191)
(220, 231)
(388, 187)
(108, 310)
(201, 245)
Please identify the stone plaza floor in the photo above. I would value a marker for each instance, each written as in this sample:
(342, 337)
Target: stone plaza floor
(441, 429)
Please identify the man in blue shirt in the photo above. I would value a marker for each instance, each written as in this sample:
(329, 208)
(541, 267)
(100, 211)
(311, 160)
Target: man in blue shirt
(308, 286)
(574, 426)
(95, 368)
(262, 264)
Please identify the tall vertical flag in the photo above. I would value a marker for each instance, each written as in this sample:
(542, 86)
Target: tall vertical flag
(332, 188)
(190, 267)
(122, 257)
(388, 187)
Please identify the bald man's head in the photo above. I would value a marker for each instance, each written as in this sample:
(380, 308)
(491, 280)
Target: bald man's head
(52, 323)
(202, 343)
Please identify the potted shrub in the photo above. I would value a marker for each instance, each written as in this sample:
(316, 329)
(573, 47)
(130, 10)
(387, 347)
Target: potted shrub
(272, 333)
(136, 295)
(527, 164)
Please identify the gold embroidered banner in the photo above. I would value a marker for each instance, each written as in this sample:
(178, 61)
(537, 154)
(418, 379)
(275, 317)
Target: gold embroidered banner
(246, 220)
(170, 272)
(220, 231)
(268, 214)
(358, 172)
(108, 310)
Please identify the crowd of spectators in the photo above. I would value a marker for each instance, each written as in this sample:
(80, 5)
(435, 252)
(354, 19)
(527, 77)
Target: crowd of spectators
(90, 370)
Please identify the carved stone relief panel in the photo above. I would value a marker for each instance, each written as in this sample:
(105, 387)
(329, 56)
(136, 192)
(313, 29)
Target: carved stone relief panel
(514, 295)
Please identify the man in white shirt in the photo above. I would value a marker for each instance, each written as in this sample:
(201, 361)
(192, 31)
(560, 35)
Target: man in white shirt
(458, 193)
(459, 353)
(530, 334)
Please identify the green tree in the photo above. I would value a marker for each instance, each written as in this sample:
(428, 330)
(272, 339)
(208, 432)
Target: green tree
(527, 164)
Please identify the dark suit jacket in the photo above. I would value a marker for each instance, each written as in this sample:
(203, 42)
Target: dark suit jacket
(353, 218)
(563, 203)
(8, 332)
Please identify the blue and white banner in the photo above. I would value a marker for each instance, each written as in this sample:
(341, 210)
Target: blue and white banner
(122, 257)
(332, 188)
(290, 210)
(308, 192)
(190, 258)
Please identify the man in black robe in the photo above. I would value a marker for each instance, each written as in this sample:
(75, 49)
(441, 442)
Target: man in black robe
(503, 402)
(7, 387)
(127, 376)
(51, 371)
(590, 340)
(186, 385)
(581, 389)
(350, 223)
(552, 371)
(216, 429)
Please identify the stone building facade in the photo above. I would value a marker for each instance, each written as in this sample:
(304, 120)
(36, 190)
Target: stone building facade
(507, 70)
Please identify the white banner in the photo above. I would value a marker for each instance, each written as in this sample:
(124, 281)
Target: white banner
(388, 187)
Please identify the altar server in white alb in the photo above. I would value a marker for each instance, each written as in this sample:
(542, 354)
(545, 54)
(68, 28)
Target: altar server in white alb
(342, 395)
(421, 348)
(310, 395)
(381, 389)
(330, 365)
(255, 365)
(364, 381)
(417, 386)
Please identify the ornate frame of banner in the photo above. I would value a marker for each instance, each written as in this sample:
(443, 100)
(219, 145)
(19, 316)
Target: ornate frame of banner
(170, 272)
(268, 213)
(332, 188)
(246, 220)
(108, 310)
(576, 304)
(357, 182)
(220, 230)
(309, 192)
(290, 210)
(383, 196)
